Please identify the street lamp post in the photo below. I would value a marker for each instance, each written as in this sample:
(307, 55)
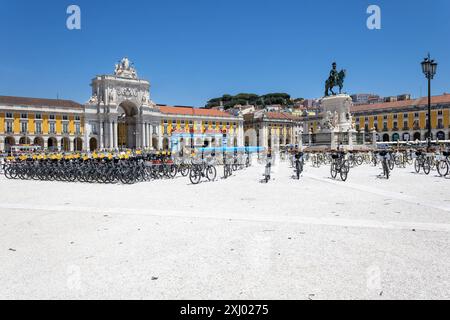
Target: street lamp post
(429, 67)
(191, 130)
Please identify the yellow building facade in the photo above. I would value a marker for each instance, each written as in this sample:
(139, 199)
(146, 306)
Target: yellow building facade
(405, 120)
(49, 124)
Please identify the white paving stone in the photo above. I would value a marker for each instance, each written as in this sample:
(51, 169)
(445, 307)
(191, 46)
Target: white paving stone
(231, 239)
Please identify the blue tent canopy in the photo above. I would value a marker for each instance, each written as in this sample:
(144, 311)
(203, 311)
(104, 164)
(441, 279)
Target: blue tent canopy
(232, 149)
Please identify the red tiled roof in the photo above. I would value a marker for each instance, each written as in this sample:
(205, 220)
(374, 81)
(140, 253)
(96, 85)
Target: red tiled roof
(190, 111)
(37, 102)
(401, 104)
(281, 116)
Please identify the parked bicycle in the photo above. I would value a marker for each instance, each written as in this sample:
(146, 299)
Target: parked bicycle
(339, 165)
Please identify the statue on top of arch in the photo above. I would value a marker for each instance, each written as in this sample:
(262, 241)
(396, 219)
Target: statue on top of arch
(125, 69)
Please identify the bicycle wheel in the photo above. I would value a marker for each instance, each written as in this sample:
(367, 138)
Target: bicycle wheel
(359, 161)
(345, 166)
(8, 172)
(184, 170)
(226, 171)
(417, 166)
(211, 173)
(195, 176)
(427, 167)
(172, 171)
(333, 170)
(344, 174)
(442, 168)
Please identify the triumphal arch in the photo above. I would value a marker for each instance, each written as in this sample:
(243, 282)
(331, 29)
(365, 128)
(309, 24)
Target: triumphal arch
(120, 112)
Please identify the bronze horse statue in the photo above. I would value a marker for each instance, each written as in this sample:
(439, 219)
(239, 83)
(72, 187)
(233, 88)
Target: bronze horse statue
(337, 80)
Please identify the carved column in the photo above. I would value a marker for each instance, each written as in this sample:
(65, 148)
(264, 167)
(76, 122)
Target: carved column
(111, 137)
(151, 135)
(143, 134)
(116, 134)
(101, 136)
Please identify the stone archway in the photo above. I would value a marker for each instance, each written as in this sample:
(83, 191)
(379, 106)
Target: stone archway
(65, 144)
(127, 131)
(155, 143)
(38, 141)
(417, 136)
(166, 144)
(9, 142)
(52, 144)
(78, 144)
(93, 144)
(395, 137)
(24, 141)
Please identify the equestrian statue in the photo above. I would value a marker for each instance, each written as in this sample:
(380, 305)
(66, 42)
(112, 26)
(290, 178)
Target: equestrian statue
(336, 79)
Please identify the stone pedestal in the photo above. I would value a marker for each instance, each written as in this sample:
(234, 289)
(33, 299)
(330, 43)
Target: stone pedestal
(351, 138)
(336, 111)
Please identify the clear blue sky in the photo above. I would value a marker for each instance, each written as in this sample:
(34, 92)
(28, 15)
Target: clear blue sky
(193, 50)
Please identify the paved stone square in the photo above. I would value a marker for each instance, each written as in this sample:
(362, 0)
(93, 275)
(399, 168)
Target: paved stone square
(317, 238)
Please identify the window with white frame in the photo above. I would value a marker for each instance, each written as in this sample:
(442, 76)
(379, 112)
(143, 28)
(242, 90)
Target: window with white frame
(52, 128)
(38, 116)
(38, 127)
(9, 127)
(24, 127)
(65, 128)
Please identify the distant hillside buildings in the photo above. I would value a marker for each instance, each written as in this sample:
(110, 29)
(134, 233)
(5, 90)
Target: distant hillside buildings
(369, 98)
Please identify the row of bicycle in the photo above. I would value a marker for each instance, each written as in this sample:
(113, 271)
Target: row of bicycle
(126, 171)
(400, 159)
(341, 162)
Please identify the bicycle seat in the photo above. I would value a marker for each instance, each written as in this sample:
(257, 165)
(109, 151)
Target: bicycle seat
(446, 153)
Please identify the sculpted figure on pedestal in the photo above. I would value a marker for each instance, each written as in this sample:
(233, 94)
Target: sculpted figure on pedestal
(93, 99)
(125, 69)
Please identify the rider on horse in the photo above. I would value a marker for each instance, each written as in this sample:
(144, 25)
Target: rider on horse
(334, 73)
(335, 79)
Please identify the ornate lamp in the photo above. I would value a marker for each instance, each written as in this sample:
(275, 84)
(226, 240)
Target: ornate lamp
(429, 68)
